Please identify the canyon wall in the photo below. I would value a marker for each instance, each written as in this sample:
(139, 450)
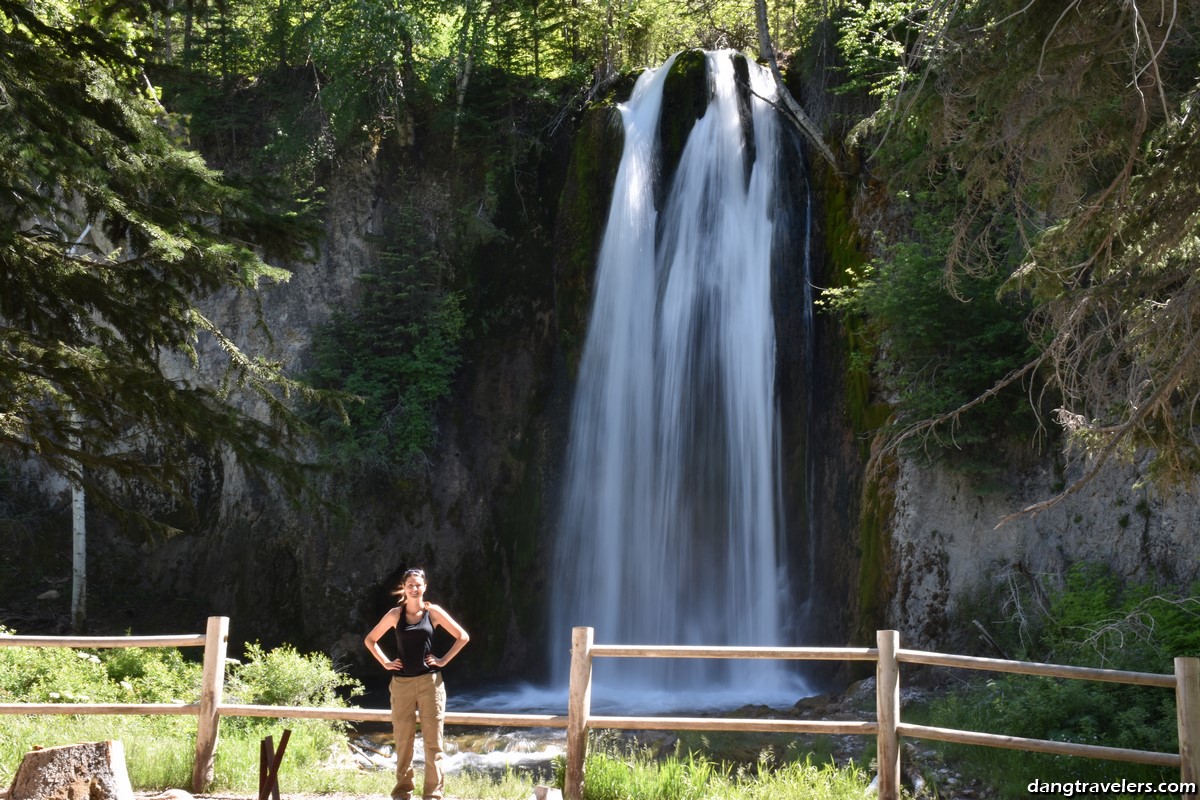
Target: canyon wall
(915, 548)
(957, 555)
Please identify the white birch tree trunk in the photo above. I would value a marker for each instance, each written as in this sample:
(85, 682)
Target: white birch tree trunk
(78, 559)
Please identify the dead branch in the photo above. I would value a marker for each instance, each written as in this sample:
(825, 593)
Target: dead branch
(796, 114)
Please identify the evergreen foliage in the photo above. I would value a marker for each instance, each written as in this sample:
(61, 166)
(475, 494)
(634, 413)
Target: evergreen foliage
(112, 234)
(945, 345)
(1064, 130)
(395, 353)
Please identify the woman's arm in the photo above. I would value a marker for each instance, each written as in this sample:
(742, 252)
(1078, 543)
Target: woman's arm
(461, 637)
(372, 639)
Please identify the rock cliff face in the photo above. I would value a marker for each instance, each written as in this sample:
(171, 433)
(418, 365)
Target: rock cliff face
(947, 552)
(319, 577)
(917, 548)
(928, 547)
(913, 551)
(481, 521)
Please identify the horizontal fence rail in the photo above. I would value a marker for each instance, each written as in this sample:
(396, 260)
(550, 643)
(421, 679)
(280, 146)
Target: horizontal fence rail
(102, 642)
(348, 713)
(97, 709)
(887, 727)
(1037, 668)
(1040, 745)
(701, 651)
(732, 724)
(473, 718)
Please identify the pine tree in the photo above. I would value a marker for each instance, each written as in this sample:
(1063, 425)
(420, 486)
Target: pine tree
(88, 156)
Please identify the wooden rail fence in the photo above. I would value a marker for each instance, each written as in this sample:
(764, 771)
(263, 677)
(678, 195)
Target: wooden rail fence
(887, 727)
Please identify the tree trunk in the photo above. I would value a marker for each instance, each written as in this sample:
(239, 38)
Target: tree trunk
(800, 119)
(471, 39)
(537, 40)
(94, 770)
(463, 79)
(188, 21)
(78, 560)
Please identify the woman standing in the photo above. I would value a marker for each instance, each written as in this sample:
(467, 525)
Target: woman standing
(416, 681)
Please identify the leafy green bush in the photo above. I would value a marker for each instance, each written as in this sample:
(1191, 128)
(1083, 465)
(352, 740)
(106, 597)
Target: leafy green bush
(285, 677)
(129, 675)
(162, 674)
(1092, 620)
(1136, 626)
(943, 344)
(160, 749)
(1138, 718)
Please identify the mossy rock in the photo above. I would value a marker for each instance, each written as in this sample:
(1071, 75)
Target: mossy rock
(583, 214)
(686, 93)
(621, 88)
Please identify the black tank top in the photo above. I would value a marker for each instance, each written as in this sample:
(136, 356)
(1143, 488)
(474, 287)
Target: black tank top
(415, 642)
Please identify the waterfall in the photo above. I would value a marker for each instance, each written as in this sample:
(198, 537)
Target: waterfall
(671, 529)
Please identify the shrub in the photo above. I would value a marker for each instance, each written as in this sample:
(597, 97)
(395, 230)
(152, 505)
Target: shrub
(944, 344)
(285, 677)
(160, 749)
(132, 675)
(1092, 620)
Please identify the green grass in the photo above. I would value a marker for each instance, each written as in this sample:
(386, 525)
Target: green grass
(620, 772)
(154, 754)
(159, 752)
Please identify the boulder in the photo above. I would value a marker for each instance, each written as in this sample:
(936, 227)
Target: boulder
(88, 771)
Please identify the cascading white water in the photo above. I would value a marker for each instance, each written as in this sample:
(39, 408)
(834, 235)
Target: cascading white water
(670, 529)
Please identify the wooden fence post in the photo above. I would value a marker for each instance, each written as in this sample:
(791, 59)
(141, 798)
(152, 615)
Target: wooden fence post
(579, 706)
(216, 644)
(1187, 711)
(887, 710)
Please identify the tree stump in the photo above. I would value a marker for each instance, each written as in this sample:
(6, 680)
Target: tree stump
(89, 771)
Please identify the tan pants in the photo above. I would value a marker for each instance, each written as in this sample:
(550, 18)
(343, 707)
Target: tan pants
(427, 694)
